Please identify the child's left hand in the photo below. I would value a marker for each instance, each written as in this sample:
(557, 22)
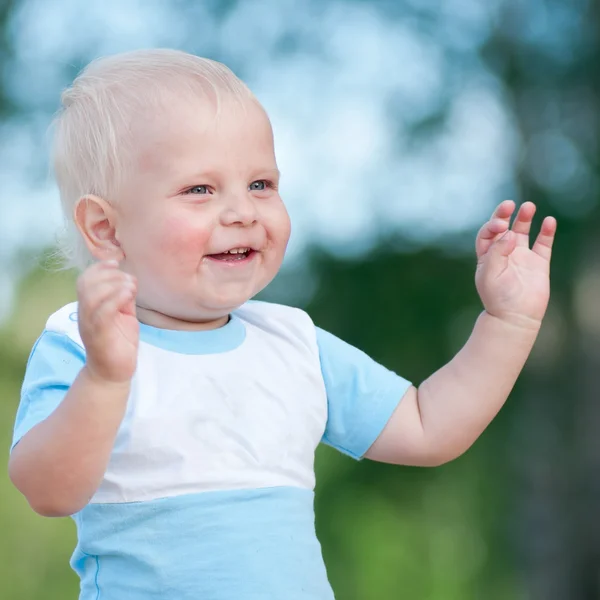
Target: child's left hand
(512, 279)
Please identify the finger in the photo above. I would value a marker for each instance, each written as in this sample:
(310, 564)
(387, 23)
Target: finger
(496, 226)
(97, 273)
(505, 244)
(492, 229)
(88, 287)
(488, 233)
(522, 224)
(500, 249)
(110, 263)
(93, 279)
(504, 210)
(103, 265)
(92, 296)
(496, 260)
(129, 308)
(545, 239)
(119, 300)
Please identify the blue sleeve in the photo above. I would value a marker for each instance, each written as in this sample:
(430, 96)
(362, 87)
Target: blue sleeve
(53, 365)
(361, 395)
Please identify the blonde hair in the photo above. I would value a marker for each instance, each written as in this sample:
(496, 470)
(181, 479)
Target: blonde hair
(91, 141)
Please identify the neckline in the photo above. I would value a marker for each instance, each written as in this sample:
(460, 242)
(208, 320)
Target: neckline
(212, 341)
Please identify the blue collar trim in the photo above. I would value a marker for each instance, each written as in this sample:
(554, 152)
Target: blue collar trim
(212, 341)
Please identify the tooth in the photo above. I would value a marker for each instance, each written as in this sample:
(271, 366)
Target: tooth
(237, 251)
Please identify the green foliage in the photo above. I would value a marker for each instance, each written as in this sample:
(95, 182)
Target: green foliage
(34, 551)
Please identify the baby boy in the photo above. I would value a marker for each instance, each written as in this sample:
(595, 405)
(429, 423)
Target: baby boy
(175, 419)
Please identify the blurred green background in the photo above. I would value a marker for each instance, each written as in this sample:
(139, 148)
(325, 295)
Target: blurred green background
(399, 125)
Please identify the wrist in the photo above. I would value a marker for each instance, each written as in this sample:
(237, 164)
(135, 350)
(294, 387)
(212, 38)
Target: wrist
(513, 322)
(95, 378)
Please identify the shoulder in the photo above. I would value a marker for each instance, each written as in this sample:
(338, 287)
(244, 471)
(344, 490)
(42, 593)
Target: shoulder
(279, 320)
(58, 353)
(256, 311)
(64, 322)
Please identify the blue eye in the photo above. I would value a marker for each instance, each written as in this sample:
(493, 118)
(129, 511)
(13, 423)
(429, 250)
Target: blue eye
(198, 189)
(258, 186)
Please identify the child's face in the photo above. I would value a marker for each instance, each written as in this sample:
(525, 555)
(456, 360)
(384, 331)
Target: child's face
(201, 186)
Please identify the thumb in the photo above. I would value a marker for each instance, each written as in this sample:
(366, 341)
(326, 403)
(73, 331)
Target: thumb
(495, 259)
(128, 307)
(504, 245)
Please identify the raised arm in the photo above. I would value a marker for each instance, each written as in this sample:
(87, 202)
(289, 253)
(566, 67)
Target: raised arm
(60, 462)
(443, 417)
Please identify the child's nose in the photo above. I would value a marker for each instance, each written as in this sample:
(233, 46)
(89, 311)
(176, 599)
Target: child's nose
(239, 209)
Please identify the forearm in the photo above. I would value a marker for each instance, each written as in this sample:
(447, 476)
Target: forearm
(59, 464)
(458, 402)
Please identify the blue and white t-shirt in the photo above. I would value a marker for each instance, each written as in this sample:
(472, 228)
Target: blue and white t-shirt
(209, 490)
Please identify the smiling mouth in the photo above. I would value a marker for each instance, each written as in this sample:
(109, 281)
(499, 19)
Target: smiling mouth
(234, 255)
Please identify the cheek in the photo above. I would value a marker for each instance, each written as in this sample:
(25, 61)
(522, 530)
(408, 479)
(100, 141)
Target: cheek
(285, 232)
(279, 225)
(287, 226)
(177, 240)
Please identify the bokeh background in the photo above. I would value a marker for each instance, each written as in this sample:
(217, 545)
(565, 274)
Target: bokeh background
(399, 125)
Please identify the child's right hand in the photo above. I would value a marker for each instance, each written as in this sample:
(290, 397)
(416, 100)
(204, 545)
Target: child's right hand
(107, 321)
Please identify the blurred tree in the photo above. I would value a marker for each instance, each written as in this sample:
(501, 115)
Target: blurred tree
(547, 54)
(7, 8)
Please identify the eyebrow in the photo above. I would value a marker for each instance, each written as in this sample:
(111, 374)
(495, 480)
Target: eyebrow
(275, 173)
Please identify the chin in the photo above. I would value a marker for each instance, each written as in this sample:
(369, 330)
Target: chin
(229, 300)
(224, 305)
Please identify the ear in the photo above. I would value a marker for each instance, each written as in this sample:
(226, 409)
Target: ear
(96, 220)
